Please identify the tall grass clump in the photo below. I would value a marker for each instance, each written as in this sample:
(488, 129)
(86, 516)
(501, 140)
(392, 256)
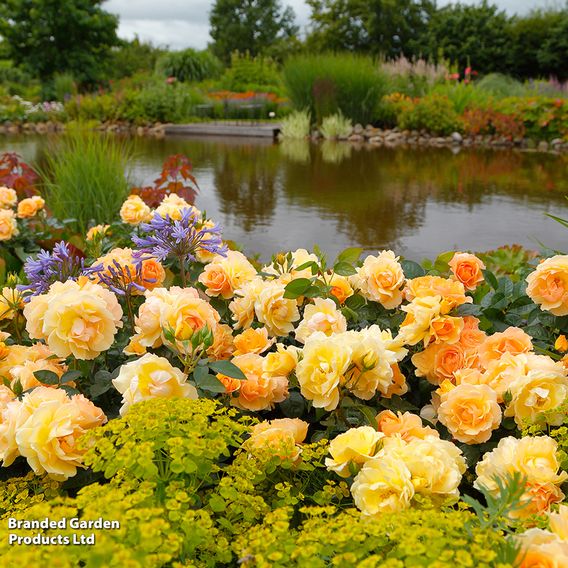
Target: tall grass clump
(500, 86)
(85, 178)
(463, 95)
(327, 84)
(189, 65)
(296, 125)
(414, 77)
(336, 126)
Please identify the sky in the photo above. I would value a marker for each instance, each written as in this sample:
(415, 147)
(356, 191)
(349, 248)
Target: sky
(185, 23)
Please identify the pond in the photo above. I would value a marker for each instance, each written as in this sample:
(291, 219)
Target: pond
(418, 202)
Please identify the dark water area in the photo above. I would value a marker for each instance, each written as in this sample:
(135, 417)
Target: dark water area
(418, 202)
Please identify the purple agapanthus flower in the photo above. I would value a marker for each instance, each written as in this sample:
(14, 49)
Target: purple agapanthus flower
(181, 239)
(59, 265)
(122, 280)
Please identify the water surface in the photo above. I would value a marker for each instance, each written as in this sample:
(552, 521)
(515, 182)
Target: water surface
(418, 202)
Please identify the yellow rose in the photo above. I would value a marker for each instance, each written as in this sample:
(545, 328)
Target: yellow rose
(8, 197)
(258, 391)
(222, 347)
(548, 285)
(274, 311)
(381, 279)
(470, 412)
(242, 307)
(281, 436)
(74, 318)
(513, 340)
(451, 292)
(322, 370)
(323, 316)
(8, 225)
(225, 274)
(48, 437)
(39, 358)
(151, 377)
(29, 207)
(500, 373)
(135, 211)
(535, 458)
(541, 549)
(420, 313)
(252, 341)
(542, 388)
(383, 485)
(281, 362)
(467, 269)
(96, 231)
(172, 206)
(340, 288)
(298, 257)
(558, 522)
(446, 329)
(11, 301)
(350, 450)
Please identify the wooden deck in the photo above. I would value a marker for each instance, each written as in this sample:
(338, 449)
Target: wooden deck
(243, 129)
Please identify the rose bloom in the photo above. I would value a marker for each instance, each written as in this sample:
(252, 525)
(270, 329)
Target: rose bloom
(383, 485)
(274, 311)
(500, 373)
(408, 426)
(242, 307)
(323, 316)
(172, 206)
(280, 363)
(471, 336)
(371, 361)
(381, 279)
(420, 313)
(282, 436)
(39, 358)
(299, 256)
(558, 522)
(30, 207)
(134, 211)
(398, 387)
(225, 274)
(541, 549)
(74, 318)
(151, 377)
(8, 225)
(350, 450)
(446, 329)
(48, 438)
(548, 285)
(436, 466)
(439, 362)
(97, 230)
(452, 292)
(340, 288)
(203, 255)
(11, 301)
(151, 272)
(470, 412)
(252, 341)
(561, 344)
(466, 269)
(222, 347)
(535, 458)
(258, 391)
(322, 369)
(8, 197)
(543, 387)
(513, 340)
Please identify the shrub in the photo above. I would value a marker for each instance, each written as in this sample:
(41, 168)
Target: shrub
(434, 113)
(463, 95)
(327, 84)
(336, 126)
(500, 86)
(296, 125)
(189, 65)
(248, 73)
(85, 178)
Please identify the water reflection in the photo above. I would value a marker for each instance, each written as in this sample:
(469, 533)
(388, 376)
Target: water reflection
(419, 202)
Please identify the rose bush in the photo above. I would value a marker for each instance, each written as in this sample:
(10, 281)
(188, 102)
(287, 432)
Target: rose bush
(223, 395)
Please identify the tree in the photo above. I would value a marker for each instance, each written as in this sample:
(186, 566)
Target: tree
(476, 36)
(59, 36)
(381, 27)
(553, 53)
(252, 26)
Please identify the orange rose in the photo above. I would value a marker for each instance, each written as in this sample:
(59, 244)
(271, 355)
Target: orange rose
(548, 285)
(513, 340)
(471, 336)
(439, 362)
(152, 274)
(466, 269)
(29, 207)
(252, 341)
(408, 426)
(398, 386)
(446, 329)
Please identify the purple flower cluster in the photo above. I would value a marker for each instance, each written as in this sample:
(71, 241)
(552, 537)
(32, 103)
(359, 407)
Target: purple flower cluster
(122, 280)
(180, 239)
(59, 265)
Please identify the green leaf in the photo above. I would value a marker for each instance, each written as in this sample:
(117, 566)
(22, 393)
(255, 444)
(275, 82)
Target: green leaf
(412, 269)
(491, 279)
(70, 376)
(200, 372)
(313, 292)
(228, 369)
(355, 302)
(294, 406)
(69, 390)
(217, 504)
(296, 288)
(210, 383)
(46, 377)
(305, 265)
(344, 268)
(349, 255)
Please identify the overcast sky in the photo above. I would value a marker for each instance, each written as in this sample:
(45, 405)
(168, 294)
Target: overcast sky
(185, 23)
